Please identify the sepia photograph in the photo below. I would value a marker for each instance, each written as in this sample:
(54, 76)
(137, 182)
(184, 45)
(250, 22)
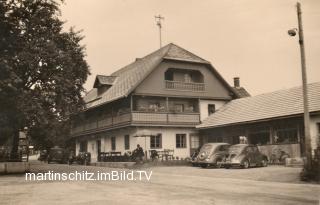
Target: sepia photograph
(159, 102)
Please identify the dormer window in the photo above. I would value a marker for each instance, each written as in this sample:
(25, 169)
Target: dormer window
(103, 83)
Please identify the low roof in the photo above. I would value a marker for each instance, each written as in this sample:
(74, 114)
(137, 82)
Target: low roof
(129, 77)
(265, 106)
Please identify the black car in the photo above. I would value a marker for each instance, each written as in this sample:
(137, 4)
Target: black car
(58, 154)
(245, 156)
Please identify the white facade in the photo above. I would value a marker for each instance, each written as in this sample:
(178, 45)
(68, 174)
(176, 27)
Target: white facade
(204, 107)
(168, 140)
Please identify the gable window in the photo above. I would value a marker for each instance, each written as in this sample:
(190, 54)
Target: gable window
(181, 140)
(156, 141)
(126, 142)
(211, 109)
(113, 143)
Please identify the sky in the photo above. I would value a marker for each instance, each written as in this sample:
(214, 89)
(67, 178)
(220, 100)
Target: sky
(242, 38)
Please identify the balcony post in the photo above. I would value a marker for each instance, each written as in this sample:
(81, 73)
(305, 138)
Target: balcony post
(111, 115)
(131, 103)
(131, 107)
(167, 108)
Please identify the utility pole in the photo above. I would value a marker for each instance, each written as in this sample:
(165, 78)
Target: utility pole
(307, 137)
(158, 20)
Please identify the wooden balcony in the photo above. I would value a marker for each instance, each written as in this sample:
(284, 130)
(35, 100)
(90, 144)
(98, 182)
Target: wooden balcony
(177, 85)
(136, 119)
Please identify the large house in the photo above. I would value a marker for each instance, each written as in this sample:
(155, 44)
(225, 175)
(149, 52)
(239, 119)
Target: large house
(273, 121)
(157, 101)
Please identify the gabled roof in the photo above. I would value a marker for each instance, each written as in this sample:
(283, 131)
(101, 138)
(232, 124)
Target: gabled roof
(130, 76)
(276, 104)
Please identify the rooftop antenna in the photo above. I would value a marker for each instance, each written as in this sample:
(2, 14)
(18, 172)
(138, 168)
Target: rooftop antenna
(158, 20)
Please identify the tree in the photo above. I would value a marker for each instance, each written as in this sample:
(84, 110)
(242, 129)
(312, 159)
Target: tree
(42, 69)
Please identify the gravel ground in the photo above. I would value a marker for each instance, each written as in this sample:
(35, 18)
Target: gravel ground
(168, 185)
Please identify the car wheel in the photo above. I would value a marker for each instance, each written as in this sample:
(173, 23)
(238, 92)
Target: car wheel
(218, 163)
(245, 164)
(203, 165)
(264, 163)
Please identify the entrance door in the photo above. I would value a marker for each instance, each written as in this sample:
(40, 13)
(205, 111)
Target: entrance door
(98, 149)
(194, 143)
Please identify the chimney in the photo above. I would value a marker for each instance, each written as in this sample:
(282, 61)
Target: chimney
(236, 82)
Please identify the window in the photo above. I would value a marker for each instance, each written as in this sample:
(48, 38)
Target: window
(235, 140)
(195, 143)
(260, 138)
(187, 78)
(287, 135)
(179, 107)
(223, 148)
(113, 143)
(215, 139)
(83, 146)
(255, 149)
(249, 150)
(318, 126)
(211, 109)
(126, 142)
(156, 141)
(181, 140)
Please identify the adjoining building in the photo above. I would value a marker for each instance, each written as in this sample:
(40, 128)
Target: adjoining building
(273, 121)
(157, 101)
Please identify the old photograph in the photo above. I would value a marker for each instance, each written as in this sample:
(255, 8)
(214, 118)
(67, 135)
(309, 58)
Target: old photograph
(159, 102)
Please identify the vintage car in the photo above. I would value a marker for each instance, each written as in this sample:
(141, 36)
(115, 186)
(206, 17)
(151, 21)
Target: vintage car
(43, 155)
(212, 154)
(245, 156)
(57, 154)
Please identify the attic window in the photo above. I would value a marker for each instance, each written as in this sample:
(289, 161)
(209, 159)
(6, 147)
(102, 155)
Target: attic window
(104, 81)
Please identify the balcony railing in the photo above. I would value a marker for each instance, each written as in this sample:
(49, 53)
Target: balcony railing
(136, 118)
(176, 85)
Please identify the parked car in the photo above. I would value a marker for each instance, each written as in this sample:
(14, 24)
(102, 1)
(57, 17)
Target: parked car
(245, 156)
(212, 154)
(43, 155)
(58, 154)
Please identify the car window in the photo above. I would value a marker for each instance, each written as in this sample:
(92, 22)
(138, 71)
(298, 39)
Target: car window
(223, 148)
(249, 150)
(255, 149)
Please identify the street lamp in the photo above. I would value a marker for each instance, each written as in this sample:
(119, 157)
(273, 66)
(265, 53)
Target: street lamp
(307, 141)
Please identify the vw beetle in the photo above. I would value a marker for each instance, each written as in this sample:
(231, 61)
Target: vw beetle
(212, 154)
(245, 156)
